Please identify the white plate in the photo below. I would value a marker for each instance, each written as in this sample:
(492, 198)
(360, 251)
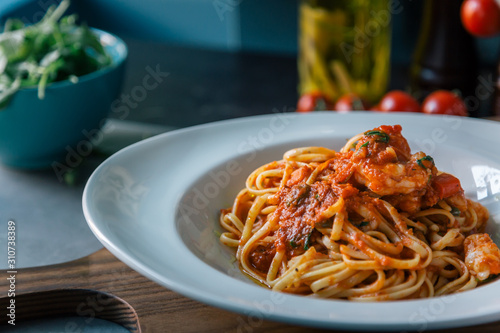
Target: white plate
(155, 206)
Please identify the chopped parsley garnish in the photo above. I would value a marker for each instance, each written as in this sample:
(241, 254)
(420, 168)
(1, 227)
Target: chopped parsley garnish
(304, 192)
(381, 136)
(425, 158)
(307, 243)
(364, 145)
(455, 211)
(364, 224)
(293, 244)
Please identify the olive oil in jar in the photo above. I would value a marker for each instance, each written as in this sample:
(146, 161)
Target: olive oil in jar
(344, 47)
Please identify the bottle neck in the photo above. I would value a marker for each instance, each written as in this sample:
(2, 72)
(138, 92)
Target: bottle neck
(445, 56)
(444, 44)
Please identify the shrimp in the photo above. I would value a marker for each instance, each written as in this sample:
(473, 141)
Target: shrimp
(482, 256)
(397, 177)
(382, 162)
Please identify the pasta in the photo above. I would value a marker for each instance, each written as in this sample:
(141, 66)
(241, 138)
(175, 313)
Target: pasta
(370, 222)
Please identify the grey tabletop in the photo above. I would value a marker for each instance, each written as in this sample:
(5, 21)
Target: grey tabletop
(193, 87)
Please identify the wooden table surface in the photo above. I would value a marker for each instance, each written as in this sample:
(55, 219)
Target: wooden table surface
(101, 286)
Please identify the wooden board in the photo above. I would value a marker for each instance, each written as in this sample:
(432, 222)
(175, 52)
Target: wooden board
(101, 286)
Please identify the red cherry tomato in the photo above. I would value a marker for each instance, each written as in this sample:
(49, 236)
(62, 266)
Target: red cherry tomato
(481, 17)
(314, 101)
(397, 100)
(444, 102)
(350, 102)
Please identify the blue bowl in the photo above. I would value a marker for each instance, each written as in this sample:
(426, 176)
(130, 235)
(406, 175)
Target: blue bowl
(58, 131)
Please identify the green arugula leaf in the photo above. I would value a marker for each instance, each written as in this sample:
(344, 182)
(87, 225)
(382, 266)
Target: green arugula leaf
(54, 49)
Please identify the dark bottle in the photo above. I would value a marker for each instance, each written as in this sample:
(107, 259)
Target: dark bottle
(445, 56)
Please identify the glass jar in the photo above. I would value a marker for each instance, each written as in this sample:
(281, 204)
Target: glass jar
(344, 47)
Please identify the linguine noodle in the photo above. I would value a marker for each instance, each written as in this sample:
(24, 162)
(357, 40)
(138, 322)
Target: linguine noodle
(371, 222)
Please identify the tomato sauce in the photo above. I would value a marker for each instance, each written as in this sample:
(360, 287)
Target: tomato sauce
(379, 166)
(262, 257)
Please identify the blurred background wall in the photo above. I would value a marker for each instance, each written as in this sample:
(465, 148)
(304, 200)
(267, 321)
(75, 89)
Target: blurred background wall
(268, 26)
